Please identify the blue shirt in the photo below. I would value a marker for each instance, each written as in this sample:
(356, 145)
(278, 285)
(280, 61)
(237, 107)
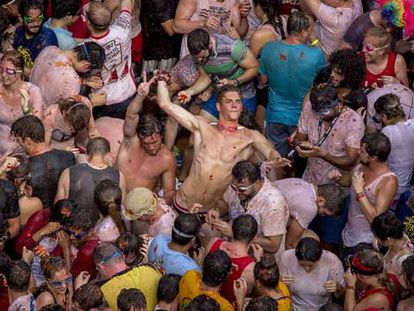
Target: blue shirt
(171, 261)
(64, 37)
(290, 70)
(36, 44)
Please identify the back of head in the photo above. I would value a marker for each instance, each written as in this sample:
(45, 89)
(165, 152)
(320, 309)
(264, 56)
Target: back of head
(323, 97)
(351, 66)
(84, 218)
(18, 278)
(247, 120)
(386, 226)
(98, 146)
(266, 271)
(131, 298)
(198, 41)
(308, 249)
(89, 296)
(202, 303)
(29, 127)
(298, 22)
(356, 99)
(62, 210)
(26, 5)
(377, 145)
(106, 193)
(264, 303)
(168, 288)
(390, 106)
(130, 245)
(91, 52)
(185, 229)
(148, 125)
(106, 253)
(331, 307)
(367, 262)
(99, 16)
(333, 195)
(246, 170)
(79, 116)
(62, 8)
(323, 76)
(244, 228)
(216, 268)
(408, 270)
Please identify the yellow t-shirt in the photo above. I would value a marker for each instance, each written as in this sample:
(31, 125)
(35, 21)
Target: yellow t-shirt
(190, 288)
(284, 303)
(144, 278)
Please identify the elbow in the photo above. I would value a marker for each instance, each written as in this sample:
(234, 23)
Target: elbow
(176, 27)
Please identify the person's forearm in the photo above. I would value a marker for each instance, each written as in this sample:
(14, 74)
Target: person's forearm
(248, 75)
(243, 27)
(135, 106)
(38, 235)
(200, 85)
(343, 162)
(186, 26)
(267, 244)
(349, 299)
(368, 209)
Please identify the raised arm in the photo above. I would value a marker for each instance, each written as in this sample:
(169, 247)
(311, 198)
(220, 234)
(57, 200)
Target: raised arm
(311, 6)
(183, 14)
(127, 5)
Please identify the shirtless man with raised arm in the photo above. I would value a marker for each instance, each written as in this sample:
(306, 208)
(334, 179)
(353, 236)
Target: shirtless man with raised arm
(217, 147)
(142, 157)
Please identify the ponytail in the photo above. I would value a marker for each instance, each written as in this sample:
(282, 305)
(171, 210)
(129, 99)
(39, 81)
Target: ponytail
(114, 213)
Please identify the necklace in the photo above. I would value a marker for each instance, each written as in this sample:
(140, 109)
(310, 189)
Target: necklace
(228, 128)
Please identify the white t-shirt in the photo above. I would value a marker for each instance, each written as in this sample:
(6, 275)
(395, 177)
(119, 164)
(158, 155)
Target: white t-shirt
(117, 72)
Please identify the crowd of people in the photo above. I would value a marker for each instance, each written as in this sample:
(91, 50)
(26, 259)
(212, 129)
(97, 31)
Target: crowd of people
(206, 155)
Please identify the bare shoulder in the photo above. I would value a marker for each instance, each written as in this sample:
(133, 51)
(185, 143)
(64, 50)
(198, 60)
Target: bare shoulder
(166, 155)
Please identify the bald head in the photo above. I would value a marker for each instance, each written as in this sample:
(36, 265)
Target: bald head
(99, 16)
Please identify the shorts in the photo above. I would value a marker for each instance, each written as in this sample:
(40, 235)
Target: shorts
(210, 105)
(136, 48)
(183, 210)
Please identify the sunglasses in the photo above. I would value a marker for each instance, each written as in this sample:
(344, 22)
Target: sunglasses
(367, 48)
(66, 281)
(7, 5)
(76, 236)
(29, 19)
(9, 71)
(241, 189)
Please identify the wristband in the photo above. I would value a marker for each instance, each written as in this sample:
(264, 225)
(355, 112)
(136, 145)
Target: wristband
(315, 42)
(238, 82)
(350, 287)
(359, 196)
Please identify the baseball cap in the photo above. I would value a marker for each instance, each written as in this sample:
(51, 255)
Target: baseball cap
(139, 202)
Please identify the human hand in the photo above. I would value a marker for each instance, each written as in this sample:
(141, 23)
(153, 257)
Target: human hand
(10, 163)
(162, 75)
(50, 228)
(195, 209)
(205, 95)
(184, 97)
(281, 162)
(98, 98)
(240, 289)
(288, 279)
(27, 255)
(358, 182)
(63, 240)
(350, 278)
(224, 82)
(330, 286)
(212, 22)
(389, 79)
(306, 149)
(257, 252)
(74, 150)
(244, 8)
(223, 227)
(232, 33)
(144, 86)
(334, 175)
(40, 251)
(212, 216)
(94, 82)
(82, 279)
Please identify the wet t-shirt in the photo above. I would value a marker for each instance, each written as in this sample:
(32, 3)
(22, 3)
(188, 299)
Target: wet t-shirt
(45, 170)
(11, 209)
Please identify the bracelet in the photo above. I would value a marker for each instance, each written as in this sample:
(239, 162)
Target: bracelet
(315, 42)
(350, 287)
(359, 196)
(238, 82)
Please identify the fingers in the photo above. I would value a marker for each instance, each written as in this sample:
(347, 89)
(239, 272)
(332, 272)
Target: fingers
(144, 76)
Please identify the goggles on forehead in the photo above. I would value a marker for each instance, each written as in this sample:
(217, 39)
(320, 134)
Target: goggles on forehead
(241, 189)
(30, 19)
(9, 71)
(368, 48)
(326, 111)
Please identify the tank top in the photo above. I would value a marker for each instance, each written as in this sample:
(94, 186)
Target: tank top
(241, 263)
(83, 180)
(389, 70)
(382, 290)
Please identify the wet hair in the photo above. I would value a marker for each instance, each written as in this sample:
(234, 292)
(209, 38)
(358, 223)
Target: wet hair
(264, 303)
(226, 89)
(389, 105)
(351, 65)
(83, 218)
(323, 76)
(247, 120)
(89, 296)
(91, 52)
(99, 16)
(198, 41)
(18, 278)
(203, 303)
(62, 210)
(5, 262)
(104, 252)
(356, 99)
(15, 58)
(270, 7)
(297, 22)
(408, 269)
(323, 97)
(333, 195)
(331, 307)
(5, 22)
(98, 146)
(26, 5)
(78, 113)
(168, 288)
(131, 298)
(51, 265)
(246, 170)
(130, 245)
(108, 199)
(382, 36)
(148, 125)
(62, 8)
(216, 268)
(244, 228)
(308, 249)
(21, 173)
(52, 307)
(185, 224)
(377, 145)
(266, 271)
(387, 226)
(29, 127)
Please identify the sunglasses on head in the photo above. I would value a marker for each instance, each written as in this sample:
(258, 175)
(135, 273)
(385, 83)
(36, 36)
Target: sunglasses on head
(66, 281)
(29, 19)
(241, 189)
(368, 48)
(9, 71)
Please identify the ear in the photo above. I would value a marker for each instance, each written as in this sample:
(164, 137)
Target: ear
(218, 106)
(320, 201)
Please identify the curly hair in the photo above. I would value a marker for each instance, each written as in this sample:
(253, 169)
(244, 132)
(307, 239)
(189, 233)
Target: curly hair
(349, 64)
(216, 268)
(266, 271)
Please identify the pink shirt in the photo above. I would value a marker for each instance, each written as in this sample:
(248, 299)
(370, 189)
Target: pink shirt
(347, 132)
(301, 197)
(112, 130)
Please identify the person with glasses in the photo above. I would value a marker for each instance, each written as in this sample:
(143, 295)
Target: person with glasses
(32, 37)
(64, 14)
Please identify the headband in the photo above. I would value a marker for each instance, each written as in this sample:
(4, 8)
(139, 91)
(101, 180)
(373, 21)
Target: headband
(359, 268)
(75, 105)
(182, 234)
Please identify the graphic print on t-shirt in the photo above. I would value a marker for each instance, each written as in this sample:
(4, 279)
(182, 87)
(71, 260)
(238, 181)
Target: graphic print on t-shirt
(222, 13)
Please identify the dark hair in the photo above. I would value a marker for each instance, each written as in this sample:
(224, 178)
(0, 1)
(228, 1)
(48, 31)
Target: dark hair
(29, 127)
(264, 303)
(52, 264)
(389, 105)
(297, 22)
(270, 7)
(98, 146)
(168, 288)
(197, 41)
(18, 278)
(226, 89)
(52, 307)
(351, 65)
(89, 296)
(331, 307)
(247, 120)
(266, 271)
(108, 199)
(130, 245)
(323, 76)
(333, 195)
(323, 97)
(187, 224)
(5, 22)
(83, 218)
(202, 303)
(244, 228)
(148, 125)
(408, 269)
(356, 99)
(377, 145)
(5, 262)
(216, 268)
(62, 210)
(26, 5)
(131, 298)
(308, 249)
(91, 52)
(79, 115)
(21, 173)
(246, 169)
(104, 252)
(62, 8)
(387, 226)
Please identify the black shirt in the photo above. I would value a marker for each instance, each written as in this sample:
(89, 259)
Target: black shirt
(11, 207)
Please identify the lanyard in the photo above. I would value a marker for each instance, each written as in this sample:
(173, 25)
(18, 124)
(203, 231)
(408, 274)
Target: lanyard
(328, 131)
